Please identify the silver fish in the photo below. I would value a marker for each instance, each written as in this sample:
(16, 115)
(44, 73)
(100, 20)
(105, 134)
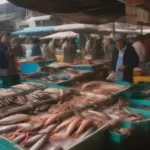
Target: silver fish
(14, 119)
(87, 133)
(5, 129)
(39, 143)
(47, 130)
(33, 140)
(19, 139)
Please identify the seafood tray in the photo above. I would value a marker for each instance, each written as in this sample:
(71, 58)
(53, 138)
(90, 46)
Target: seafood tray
(107, 88)
(37, 100)
(27, 86)
(94, 141)
(140, 123)
(66, 83)
(31, 67)
(119, 134)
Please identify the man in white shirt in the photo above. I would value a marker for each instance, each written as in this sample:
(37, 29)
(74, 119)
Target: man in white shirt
(139, 47)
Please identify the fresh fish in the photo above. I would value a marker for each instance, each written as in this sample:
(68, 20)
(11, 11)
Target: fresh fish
(48, 129)
(35, 127)
(63, 124)
(19, 139)
(103, 115)
(56, 148)
(72, 126)
(14, 119)
(39, 143)
(90, 84)
(24, 125)
(51, 119)
(85, 124)
(8, 128)
(33, 140)
(87, 133)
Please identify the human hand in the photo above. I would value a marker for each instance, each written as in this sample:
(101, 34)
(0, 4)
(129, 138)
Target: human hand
(121, 68)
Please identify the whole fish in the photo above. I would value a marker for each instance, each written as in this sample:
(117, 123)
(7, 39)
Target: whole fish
(47, 130)
(63, 124)
(85, 124)
(35, 127)
(39, 143)
(8, 128)
(33, 140)
(103, 115)
(74, 124)
(51, 119)
(14, 119)
(23, 125)
(87, 133)
(56, 148)
(19, 139)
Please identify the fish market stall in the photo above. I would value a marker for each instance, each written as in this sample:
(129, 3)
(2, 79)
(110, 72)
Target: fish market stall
(32, 64)
(55, 128)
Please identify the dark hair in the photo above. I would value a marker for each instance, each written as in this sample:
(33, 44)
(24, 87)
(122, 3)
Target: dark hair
(36, 40)
(4, 33)
(147, 36)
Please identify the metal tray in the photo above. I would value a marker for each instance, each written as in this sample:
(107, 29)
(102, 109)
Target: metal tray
(94, 141)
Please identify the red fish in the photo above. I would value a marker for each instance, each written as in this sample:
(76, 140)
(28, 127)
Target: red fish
(85, 124)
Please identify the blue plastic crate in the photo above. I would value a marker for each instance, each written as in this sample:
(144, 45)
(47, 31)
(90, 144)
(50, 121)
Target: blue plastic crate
(117, 137)
(5, 144)
(145, 123)
(28, 68)
(139, 102)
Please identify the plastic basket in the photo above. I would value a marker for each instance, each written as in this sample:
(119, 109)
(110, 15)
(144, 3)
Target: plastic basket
(28, 68)
(8, 145)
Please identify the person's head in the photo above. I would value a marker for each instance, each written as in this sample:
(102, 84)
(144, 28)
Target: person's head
(120, 41)
(139, 38)
(36, 41)
(4, 37)
(45, 41)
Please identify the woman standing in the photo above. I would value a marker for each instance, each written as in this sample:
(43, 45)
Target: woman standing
(124, 59)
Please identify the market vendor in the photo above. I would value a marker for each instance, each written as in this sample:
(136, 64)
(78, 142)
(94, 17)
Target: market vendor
(124, 59)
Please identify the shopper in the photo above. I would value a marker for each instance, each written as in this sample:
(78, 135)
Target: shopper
(97, 50)
(45, 50)
(124, 59)
(67, 47)
(139, 47)
(17, 48)
(4, 62)
(52, 48)
(36, 49)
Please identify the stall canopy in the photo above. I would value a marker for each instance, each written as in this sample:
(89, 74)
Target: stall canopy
(34, 30)
(61, 35)
(77, 27)
(82, 11)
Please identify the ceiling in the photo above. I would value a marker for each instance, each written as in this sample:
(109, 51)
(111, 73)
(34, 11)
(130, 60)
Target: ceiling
(82, 11)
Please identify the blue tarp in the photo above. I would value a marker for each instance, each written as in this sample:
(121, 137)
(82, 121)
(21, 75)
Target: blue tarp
(34, 30)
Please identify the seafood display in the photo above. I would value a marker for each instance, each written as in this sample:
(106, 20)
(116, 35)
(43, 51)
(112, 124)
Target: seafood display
(45, 131)
(27, 86)
(74, 101)
(59, 65)
(101, 87)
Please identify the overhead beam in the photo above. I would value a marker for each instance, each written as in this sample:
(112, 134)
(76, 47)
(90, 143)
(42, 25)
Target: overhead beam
(132, 2)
